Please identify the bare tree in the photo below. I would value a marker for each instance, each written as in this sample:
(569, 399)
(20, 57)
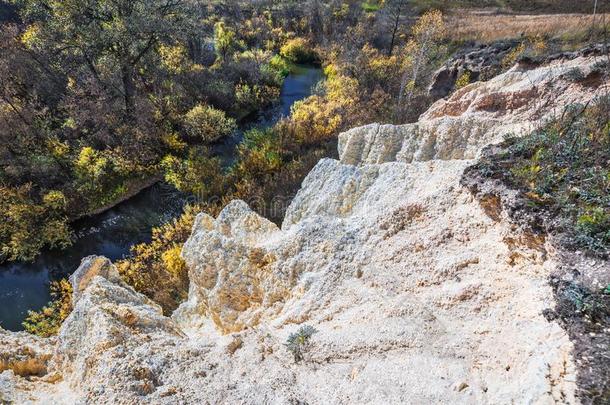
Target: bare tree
(395, 11)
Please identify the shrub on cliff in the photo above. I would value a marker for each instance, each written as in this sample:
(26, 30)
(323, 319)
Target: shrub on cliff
(48, 320)
(299, 342)
(562, 169)
(156, 269)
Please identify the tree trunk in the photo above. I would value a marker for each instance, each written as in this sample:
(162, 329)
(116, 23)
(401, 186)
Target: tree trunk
(129, 91)
(394, 31)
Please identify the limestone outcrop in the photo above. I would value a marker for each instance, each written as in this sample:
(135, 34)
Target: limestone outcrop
(477, 115)
(418, 293)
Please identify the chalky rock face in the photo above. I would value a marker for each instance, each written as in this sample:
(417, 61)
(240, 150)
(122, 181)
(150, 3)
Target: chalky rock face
(91, 267)
(480, 114)
(106, 320)
(418, 293)
(391, 258)
(230, 269)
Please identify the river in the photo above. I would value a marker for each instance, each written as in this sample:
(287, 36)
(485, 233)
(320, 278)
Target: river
(25, 286)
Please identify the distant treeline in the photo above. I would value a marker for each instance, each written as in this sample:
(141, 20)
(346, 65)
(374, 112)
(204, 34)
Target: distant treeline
(537, 6)
(558, 6)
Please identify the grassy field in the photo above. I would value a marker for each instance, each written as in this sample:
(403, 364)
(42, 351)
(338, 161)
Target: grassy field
(486, 26)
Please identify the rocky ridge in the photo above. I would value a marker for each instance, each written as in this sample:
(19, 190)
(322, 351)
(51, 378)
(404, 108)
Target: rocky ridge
(419, 292)
(482, 61)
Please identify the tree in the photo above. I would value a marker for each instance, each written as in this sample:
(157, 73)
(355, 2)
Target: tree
(394, 11)
(110, 37)
(224, 40)
(208, 124)
(27, 224)
(421, 51)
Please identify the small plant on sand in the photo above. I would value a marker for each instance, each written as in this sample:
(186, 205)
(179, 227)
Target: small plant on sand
(298, 342)
(463, 80)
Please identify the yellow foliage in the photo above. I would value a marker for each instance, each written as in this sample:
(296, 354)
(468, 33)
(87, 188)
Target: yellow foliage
(90, 161)
(298, 50)
(174, 142)
(207, 123)
(30, 37)
(156, 269)
(55, 200)
(331, 71)
(48, 320)
(315, 119)
(342, 90)
(174, 58)
(510, 58)
(173, 262)
(69, 123)
(29, 226)
(430, 27)
(463, 80)
(58, 148)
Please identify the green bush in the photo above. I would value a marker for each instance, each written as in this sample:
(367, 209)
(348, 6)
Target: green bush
(197, 174)
(208, 124)
(298, 50)
(259, 153)
(563, 169)
(280, 65)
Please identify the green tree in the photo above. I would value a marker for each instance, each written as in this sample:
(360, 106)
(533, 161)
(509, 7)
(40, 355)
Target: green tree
(225, 41)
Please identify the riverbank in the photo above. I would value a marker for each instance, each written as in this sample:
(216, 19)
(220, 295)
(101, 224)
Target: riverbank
(133, 189)
(297, 85)
(113, 229)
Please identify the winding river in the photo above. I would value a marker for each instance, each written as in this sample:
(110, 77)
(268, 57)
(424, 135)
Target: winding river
(25, 286)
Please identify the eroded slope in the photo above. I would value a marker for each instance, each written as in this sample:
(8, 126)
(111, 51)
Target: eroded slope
(419, 293)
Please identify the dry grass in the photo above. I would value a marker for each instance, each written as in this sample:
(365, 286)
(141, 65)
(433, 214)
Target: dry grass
(486, 27)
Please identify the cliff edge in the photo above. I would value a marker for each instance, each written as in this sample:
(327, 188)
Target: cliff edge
(418, 292)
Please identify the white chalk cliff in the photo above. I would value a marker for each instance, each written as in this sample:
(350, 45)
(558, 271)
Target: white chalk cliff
(418, 295)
